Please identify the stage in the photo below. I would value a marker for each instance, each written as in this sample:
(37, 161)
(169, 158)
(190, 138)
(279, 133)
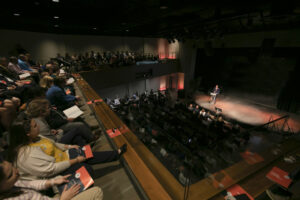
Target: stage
(247, 110)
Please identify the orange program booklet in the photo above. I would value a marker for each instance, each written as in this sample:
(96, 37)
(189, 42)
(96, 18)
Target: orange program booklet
(87, 151)
(238, 193)
(279, 176)
(113, 133)
(81, 177)
(252, 158)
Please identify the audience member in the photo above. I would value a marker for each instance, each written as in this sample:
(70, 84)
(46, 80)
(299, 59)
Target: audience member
(58, 97)
(38, 157)
(11, 188)
(39, 109)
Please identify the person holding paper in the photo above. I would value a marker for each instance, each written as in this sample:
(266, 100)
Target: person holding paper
(57, 96)
(39, 110)
(12, 188)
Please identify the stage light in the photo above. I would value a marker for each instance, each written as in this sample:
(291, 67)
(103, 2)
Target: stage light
(17, 14)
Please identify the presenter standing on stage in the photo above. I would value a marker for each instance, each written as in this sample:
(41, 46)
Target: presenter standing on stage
(214, 94)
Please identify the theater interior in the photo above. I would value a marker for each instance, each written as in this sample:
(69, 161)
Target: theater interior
(198, 99)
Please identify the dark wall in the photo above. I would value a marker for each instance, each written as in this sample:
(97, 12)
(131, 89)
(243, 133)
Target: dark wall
(114, 77)
(249, 70)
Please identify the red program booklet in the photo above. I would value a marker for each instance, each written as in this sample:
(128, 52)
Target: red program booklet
(239, 193)
(113, 133)
(81, 177)
(251, 158)
(87, 151)
(68, 91)
(94, 101)
(279, 176)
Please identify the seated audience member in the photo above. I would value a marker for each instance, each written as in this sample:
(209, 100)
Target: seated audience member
(14, 67)
(23, 64)
(57, 120)
(46, 82)
(202, 113)
(191, 107)
(39, 109)
(37, 157)
(196, 110)
(57, 96)
(11, 188)
(3, 69)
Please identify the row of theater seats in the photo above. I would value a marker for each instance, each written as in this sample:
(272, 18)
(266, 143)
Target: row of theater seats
(175, 133)
(184, 138)
(40, 145)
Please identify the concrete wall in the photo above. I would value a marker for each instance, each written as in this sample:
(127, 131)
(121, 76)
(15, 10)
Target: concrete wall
(43, 46)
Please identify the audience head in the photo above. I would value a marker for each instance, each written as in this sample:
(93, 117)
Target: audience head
(60, 82)
(3, 61)
(13, 60)
(21, 133)
(38, 108)
(22, 57)
(46, 82)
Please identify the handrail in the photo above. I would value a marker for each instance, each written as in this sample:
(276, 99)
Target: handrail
(271, 122)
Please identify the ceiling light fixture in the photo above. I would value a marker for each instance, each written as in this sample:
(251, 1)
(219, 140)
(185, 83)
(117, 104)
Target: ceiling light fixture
(127, 30)
(17, 14)
(56, 17)
(95, 28)
(56, 1)
(56, 26)
(163, 7)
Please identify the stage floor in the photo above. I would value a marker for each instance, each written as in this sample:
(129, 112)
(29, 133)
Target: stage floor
(248, 111)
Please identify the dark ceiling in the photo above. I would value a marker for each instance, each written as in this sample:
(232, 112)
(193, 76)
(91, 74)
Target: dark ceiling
(150, 18)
